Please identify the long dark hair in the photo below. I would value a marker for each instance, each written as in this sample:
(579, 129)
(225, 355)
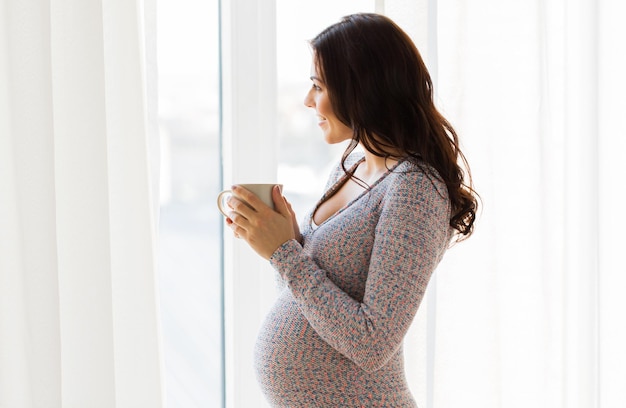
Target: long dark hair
(379, 86)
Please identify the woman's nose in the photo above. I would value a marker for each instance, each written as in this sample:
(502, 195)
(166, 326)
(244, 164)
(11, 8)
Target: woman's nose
(308, 100)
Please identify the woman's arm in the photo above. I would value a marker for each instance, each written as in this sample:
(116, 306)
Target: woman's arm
(411, 235)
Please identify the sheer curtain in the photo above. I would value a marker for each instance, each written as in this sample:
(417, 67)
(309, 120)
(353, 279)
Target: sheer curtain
(529, 311)
(78, 315)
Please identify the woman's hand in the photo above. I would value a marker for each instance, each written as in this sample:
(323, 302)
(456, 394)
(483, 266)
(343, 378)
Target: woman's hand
(294, 222)
(259, 225)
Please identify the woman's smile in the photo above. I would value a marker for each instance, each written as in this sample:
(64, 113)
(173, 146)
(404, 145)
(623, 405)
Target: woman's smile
(335, 131)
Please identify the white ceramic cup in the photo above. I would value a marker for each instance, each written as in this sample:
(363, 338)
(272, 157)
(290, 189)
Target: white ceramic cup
(263, 191)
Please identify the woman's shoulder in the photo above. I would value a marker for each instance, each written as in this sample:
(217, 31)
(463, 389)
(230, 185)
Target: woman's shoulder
(416, 177)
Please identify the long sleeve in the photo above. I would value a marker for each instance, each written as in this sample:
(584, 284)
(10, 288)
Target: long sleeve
(410, 235)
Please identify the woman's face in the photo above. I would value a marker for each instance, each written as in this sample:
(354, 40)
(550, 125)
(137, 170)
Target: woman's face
(317, 98)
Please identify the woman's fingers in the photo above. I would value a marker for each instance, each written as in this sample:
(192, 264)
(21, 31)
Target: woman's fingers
(234, 227)
(294, 222)
(247, 198)
(237, 218)
(250, 206)
(247, 210)
(261, 227)
(280, 203)
(239, 207)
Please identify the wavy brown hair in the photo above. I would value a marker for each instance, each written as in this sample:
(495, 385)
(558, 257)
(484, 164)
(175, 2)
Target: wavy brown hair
(379, 86)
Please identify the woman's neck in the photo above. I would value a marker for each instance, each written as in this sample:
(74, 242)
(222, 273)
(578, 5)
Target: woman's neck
(373, 167)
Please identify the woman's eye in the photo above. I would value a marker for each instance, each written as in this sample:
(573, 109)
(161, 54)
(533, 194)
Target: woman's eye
(317, 88)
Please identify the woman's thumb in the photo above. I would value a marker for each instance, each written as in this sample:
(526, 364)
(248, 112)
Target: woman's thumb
(279, 201)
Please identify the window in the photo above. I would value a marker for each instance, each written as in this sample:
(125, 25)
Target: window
(190, 235)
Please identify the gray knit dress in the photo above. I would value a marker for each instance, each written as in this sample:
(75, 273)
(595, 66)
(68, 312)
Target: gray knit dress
(334, 336)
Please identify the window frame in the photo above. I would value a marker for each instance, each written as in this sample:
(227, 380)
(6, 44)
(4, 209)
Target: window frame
(248, 102)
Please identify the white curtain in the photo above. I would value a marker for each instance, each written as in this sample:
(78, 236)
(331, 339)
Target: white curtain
(530, 311)
(78, 307)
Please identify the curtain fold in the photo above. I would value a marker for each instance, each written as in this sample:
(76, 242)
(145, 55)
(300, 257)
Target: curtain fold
(522, 83)
(611, 86)
(78, 316)
(528, 311)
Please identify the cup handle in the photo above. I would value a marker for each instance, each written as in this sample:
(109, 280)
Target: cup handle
(220, 202)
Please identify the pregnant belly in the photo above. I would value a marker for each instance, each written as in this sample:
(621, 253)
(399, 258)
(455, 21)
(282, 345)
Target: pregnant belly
(296, 368)
(291, 359)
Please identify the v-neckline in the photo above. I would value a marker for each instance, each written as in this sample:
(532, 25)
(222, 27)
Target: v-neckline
(338, 184)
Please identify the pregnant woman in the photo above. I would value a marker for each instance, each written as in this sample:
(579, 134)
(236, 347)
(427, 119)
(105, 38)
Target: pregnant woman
(354, 273)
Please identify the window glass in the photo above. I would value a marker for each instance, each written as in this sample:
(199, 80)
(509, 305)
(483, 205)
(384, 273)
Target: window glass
(189, 231)
(305, 160)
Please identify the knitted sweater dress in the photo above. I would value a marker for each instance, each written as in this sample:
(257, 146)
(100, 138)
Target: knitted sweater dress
(334, 336)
